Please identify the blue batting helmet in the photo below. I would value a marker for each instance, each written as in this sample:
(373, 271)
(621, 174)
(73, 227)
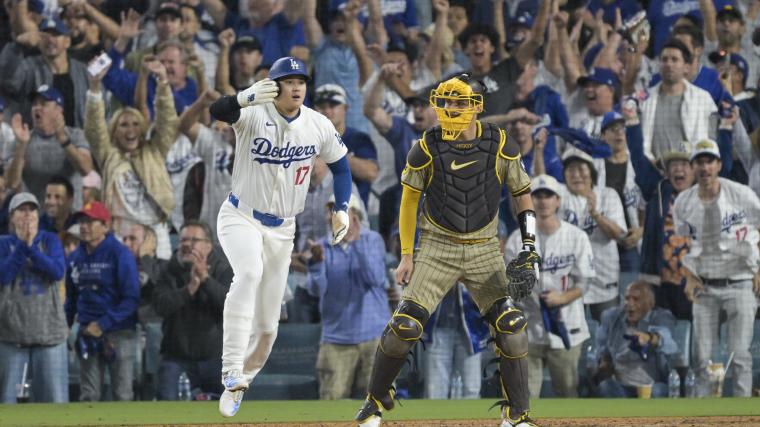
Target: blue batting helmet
(288, 66)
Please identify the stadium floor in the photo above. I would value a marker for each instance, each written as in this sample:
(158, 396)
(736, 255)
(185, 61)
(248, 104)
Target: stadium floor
(413, 413)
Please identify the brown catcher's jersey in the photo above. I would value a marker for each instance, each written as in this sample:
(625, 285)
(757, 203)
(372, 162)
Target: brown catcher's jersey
(462, 180)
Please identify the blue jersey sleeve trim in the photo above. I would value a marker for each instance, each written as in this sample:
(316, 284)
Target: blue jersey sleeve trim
(341, 182)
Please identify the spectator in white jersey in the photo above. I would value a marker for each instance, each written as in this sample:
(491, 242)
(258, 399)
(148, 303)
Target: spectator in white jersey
(597, 210)
(722, 218)
(556, 322)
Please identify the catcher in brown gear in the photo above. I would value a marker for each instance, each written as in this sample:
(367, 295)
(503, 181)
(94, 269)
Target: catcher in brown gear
(461, 167)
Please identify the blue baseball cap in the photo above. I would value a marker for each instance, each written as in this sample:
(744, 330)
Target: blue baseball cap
(524, 19)
(611, 118)
(603, 76)
(54, 26)
(49, 94)
(735, 59)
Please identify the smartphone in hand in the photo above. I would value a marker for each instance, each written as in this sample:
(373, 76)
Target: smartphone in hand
(100, 63)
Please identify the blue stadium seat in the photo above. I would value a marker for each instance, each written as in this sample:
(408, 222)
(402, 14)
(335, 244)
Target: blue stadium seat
(290, 371)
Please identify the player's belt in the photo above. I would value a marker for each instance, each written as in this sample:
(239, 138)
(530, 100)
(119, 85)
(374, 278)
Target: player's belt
(468, 241)
(266, 219)
(721, 283)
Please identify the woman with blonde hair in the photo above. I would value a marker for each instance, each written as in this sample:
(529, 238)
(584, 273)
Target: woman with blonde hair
(136, 185)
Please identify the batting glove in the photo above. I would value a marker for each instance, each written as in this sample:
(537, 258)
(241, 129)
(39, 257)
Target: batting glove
(339, 226)
(261, 92)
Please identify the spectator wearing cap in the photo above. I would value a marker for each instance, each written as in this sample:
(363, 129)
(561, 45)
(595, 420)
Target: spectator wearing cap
(34, 332)
(50, 148)
(567, 269)
(735, 67)
(168, 26)
(102, 295)
(331, 100)
(136, 183)
(52, 67)
(399, 133)
(189, 296)
(170, 64)
(340, 57)
(59, 204)
(350, 283)
(617, 172)
(662, 249)
(723, 264)
(480, 44)
(239, 59)
(537, 149)
(633, 344)
(676, 110)
(598, 211)
(597, 94)
(729, 33)
(277, 23)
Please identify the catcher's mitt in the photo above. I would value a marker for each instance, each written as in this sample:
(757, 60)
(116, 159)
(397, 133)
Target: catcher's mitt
(523, 273)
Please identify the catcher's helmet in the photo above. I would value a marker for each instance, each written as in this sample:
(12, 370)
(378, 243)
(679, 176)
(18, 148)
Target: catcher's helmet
(288, 66)
(456, 101)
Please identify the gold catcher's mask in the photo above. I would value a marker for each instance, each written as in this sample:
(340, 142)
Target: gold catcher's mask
(455, 103)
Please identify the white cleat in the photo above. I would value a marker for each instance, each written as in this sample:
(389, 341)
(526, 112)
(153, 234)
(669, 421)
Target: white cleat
(234, 389)
(372, 421)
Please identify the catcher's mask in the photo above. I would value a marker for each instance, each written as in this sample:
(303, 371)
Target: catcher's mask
(456, 101)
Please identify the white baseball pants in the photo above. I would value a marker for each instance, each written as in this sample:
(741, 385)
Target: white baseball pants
(738, 301)
(260, 259)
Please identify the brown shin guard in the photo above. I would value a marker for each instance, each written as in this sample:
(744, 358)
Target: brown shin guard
(514, 384)
(384, 372)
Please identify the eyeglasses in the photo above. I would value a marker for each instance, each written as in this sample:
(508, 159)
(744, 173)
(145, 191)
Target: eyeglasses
(192, 240)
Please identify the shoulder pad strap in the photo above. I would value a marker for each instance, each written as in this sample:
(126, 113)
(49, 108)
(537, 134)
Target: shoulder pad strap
(508, 148)
(419, 156)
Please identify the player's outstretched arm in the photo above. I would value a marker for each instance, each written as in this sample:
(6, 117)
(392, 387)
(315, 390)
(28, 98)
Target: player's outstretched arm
(342, 190)
(227, 108)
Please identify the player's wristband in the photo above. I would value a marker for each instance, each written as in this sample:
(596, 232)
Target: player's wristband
(527, 221)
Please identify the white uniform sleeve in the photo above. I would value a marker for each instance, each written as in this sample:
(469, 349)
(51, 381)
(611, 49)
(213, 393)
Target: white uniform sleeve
(513, 246)
(613, 208)
(204, 143)
(331, 146)
(583, 269)
(245, 119)
(752, 202)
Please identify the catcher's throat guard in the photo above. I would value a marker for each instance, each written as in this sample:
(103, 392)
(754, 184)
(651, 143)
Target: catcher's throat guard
(455, 104)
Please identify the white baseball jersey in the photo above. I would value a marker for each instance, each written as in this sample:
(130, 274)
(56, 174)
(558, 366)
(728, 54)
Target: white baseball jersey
(179, 160)
(632, 198)
(273, 157)
(574, 210)
(567, 262)
(216, 154)
(739, 209)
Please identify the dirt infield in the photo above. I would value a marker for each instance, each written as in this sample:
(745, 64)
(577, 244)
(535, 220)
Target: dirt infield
(549, 422)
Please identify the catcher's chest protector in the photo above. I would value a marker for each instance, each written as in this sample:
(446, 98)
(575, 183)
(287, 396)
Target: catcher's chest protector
(464, 193)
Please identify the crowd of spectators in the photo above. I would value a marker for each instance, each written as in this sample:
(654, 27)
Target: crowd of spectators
(639, 121)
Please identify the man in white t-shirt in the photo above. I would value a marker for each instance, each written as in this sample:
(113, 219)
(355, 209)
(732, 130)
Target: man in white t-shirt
(566, 269)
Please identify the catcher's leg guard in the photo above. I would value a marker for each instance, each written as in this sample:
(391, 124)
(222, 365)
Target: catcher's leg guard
(403, 331)
(512, 347)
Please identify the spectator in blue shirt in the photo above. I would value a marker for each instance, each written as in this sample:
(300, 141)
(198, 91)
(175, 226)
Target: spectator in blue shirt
(340, 57)
(331, 100)
(173, 57)
(33, 333)
(628, 8)
(280, 33)
(399, 17)
(664, 15)
(349, 279)
(397, 130)
(103, 293)
(633, 342)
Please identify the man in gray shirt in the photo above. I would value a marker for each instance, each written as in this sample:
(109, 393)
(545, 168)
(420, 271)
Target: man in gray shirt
(50, 148)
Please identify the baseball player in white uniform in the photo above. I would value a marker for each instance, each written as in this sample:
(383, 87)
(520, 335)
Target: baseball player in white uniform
(277, 141)
(566, 271)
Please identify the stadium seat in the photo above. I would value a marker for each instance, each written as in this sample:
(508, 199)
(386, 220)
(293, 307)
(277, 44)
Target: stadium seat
(290, 371)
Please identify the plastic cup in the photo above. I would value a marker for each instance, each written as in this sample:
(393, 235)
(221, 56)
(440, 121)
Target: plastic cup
(644, 391)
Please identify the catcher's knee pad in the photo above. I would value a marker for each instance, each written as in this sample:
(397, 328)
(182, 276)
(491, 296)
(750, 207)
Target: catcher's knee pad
(404, 329)
(509, 324)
